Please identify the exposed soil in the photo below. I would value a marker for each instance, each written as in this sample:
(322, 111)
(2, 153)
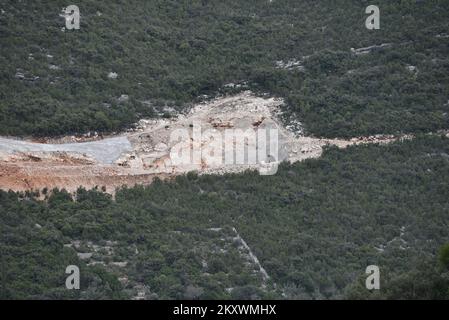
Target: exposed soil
(145, 153)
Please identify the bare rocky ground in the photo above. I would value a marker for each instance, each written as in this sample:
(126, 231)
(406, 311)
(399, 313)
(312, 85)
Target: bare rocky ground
(148, 151)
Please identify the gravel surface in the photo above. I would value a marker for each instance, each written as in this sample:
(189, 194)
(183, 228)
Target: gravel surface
(104, 151)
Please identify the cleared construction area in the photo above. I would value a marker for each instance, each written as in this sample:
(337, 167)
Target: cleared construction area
(147, 151)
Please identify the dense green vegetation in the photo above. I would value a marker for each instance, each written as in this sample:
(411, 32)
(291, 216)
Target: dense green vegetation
(426, 280)
(314, 226)
(169, 52)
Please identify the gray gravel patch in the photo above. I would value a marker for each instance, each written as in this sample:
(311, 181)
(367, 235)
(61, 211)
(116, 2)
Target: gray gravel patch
(104, 151)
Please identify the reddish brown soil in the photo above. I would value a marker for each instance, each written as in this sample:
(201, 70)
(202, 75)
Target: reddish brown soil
(32, 175)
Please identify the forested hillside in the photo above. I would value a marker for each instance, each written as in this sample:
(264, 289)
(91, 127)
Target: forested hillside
(307, 232)
(315, 227)
(169, 52)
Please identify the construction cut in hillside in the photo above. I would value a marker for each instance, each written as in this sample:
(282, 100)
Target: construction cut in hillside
(148, 151)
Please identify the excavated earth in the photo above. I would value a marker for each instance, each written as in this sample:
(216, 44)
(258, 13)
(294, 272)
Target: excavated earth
(138, 156)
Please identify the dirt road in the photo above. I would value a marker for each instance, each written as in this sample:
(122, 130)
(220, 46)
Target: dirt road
(146, 152)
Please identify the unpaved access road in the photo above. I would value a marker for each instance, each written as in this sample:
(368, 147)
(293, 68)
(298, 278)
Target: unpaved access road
(140, 155)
